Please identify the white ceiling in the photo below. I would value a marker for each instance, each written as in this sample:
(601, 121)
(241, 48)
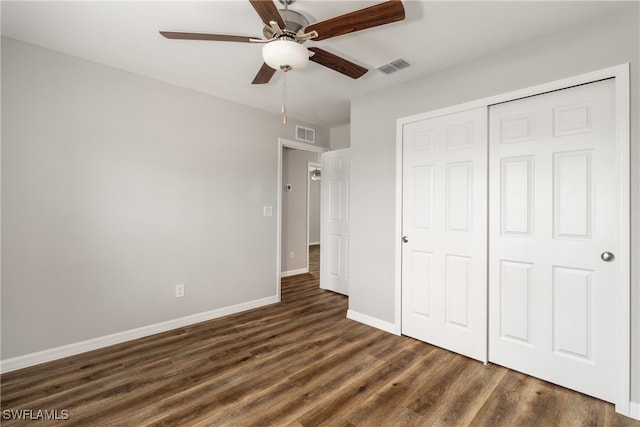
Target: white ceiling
(435, 35)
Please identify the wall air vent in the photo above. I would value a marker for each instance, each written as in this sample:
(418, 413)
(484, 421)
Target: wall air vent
(394, 66)
(305, 134)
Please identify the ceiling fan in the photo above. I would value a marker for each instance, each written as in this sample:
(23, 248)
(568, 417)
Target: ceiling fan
(285, 30)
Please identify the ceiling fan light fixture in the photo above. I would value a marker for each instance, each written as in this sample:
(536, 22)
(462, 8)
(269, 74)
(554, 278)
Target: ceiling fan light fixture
(285, 54)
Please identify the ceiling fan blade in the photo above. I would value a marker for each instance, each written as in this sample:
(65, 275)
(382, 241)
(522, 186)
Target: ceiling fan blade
(264, 75)
(337, 63)
(202, 36)
(372, 16)
(267, 11)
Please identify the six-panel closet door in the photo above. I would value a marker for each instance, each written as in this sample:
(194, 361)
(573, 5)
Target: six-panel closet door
(554, 227)
(444, 256)
(546, 236)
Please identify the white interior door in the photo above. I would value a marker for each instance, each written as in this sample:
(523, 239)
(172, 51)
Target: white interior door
(444, 258)
(334, 228)
(554, 211)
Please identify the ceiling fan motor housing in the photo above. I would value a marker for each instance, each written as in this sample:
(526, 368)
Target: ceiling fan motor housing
(295, 23)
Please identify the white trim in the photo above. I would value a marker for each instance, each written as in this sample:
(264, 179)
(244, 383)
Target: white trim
(623, 290)
(373, 322)
(301, 145)
(621, 75)
(314, 243)
(39, 357)
(399, 231)
(634, 410)
(294, 272)
(282, 143)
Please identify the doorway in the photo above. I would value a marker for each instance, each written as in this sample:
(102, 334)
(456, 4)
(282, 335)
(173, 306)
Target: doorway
(313, 203)
(292, 251)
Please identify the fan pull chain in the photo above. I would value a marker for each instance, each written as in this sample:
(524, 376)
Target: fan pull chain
(284, 98)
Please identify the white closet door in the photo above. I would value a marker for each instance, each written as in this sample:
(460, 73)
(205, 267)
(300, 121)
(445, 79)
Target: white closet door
(334, 221)
(553, 212)
(444, 260)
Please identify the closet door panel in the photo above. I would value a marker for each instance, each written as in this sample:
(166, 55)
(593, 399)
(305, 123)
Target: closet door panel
(553, 212)
(444, 261)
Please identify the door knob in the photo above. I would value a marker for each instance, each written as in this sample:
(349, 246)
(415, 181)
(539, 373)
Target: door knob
(405, 239)
(607, 256)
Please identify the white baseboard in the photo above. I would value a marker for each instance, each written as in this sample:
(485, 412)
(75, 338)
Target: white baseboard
(372, 321)
(294, 272)
(32, 359)
(314, 243)
(634, 410)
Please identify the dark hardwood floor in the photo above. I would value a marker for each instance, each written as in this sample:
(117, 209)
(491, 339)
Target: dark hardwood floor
(297, 363)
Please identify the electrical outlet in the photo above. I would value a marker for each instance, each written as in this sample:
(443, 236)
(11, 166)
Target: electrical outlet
(292, 255)
(180, 290)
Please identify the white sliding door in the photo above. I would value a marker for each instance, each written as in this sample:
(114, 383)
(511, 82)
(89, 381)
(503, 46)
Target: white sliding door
(334, 221)
(444, 258)
(554, 233)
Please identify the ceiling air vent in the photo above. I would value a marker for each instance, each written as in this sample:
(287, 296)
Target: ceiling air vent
(305, 134)
(394, 66)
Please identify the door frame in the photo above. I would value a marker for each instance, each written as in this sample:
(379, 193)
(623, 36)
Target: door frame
(282, 144)
(622, 122)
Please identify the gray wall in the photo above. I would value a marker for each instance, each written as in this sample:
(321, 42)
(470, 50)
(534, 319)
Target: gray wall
(294, 208)
(115, 188)
(611, 40)
(340, 137)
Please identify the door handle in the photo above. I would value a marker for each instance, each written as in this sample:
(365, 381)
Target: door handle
(607, 256)
(405, 239)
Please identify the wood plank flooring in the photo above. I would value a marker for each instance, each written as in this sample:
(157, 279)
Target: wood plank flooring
(297, 363)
